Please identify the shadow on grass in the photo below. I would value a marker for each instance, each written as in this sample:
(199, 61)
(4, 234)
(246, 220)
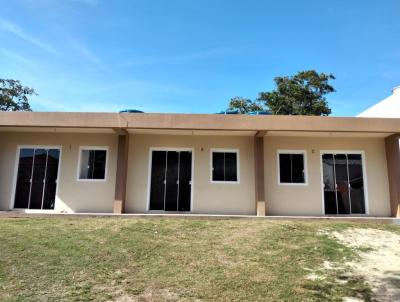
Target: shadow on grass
(331, 289)
(389, 286)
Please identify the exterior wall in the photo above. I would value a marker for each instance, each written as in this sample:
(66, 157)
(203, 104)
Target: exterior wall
(308, 199)
(72, 195)
(213, 198)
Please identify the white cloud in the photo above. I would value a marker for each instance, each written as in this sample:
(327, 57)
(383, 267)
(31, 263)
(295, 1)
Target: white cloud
(85, 52)
(180, 58)
(16, 57)
(14, 29)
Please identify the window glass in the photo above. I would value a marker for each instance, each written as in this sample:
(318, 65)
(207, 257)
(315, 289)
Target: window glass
(356, 180)
(298, 168)
(291, 168)
(224, 166)
(230, 166)
(285, 167)
(218, 166)
(93, 164)
(22, 191)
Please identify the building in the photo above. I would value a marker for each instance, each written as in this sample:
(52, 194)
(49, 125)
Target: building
(389, 107)
(211, 164)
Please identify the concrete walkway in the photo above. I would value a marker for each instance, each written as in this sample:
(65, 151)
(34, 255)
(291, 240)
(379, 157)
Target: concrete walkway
(359, 219)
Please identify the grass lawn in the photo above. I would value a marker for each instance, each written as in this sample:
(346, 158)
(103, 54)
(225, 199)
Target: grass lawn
(113, 259)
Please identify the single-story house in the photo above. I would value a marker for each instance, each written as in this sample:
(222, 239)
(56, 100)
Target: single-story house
(197, 163)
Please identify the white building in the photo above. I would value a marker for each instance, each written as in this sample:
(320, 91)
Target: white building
(389, 107)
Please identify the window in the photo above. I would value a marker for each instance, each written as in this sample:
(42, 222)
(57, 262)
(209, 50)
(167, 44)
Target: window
(92, 163)
(224, 166)
(292, 167)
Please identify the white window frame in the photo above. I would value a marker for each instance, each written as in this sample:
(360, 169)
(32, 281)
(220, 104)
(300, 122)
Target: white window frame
(304, 153)
(92, 148)
(365, 179)
(223, 150)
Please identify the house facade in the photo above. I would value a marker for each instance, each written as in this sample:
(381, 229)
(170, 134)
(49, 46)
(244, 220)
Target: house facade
(208, 164)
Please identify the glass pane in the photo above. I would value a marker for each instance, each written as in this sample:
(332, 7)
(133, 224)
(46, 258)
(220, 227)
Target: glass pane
(86, 167)
(93, 164)
(90, 166)
(38, 176)
(51, 179)
(342, 184)
(99, 164)
(285, 173)
(171, 193)
(298, 168)
(356, 184)
(185, 176)
(218, 166)
(231, 166)
(23, 178)
(329, 184)
(157, 189)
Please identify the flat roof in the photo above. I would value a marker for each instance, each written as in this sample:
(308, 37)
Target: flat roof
(240, 122)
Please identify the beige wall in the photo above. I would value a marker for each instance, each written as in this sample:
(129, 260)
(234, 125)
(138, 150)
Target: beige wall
(207, 197)
(308, 200)
(72, 195)
(78, 196)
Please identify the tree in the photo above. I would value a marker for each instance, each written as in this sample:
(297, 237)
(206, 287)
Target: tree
(244, 105)
(301, 94)
(14, 96)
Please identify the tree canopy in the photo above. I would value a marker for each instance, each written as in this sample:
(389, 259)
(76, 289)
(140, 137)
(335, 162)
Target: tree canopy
(244, 105)
(14, 96)
(301, 94)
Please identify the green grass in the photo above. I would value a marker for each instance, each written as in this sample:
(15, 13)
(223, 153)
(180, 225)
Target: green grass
(107, 258)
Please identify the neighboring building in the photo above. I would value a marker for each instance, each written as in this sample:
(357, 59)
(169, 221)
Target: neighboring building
(212, 164)
(389, 107)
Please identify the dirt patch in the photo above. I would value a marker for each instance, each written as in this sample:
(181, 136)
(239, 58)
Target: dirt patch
(151, 295)
(379, 261)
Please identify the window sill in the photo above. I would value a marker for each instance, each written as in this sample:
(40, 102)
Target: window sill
(292, 184)
(91, 180)
(225, 182)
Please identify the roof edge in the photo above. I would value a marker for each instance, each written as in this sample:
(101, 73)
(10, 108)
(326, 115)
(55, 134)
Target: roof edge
(198, 122)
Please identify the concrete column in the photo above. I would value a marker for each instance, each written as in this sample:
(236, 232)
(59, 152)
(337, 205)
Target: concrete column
(259, 172)
(393, 166)
(121, 175)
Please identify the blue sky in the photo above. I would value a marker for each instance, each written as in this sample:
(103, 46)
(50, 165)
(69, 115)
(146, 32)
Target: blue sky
(193, 56)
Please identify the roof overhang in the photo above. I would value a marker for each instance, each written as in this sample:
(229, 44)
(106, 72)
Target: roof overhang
(203, 122)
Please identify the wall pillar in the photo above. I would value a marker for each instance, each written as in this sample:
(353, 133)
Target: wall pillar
(121, 175)
(259, 173)
(393, 166)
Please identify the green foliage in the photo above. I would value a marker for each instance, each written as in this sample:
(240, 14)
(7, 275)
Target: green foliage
(14, 96)
(244, 105)
(301, 94)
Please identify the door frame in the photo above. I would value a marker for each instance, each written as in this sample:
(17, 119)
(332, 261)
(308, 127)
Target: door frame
(364, 168)
(151, 149)
(15, 176)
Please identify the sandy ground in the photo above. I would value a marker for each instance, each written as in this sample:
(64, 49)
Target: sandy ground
(380, 260)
